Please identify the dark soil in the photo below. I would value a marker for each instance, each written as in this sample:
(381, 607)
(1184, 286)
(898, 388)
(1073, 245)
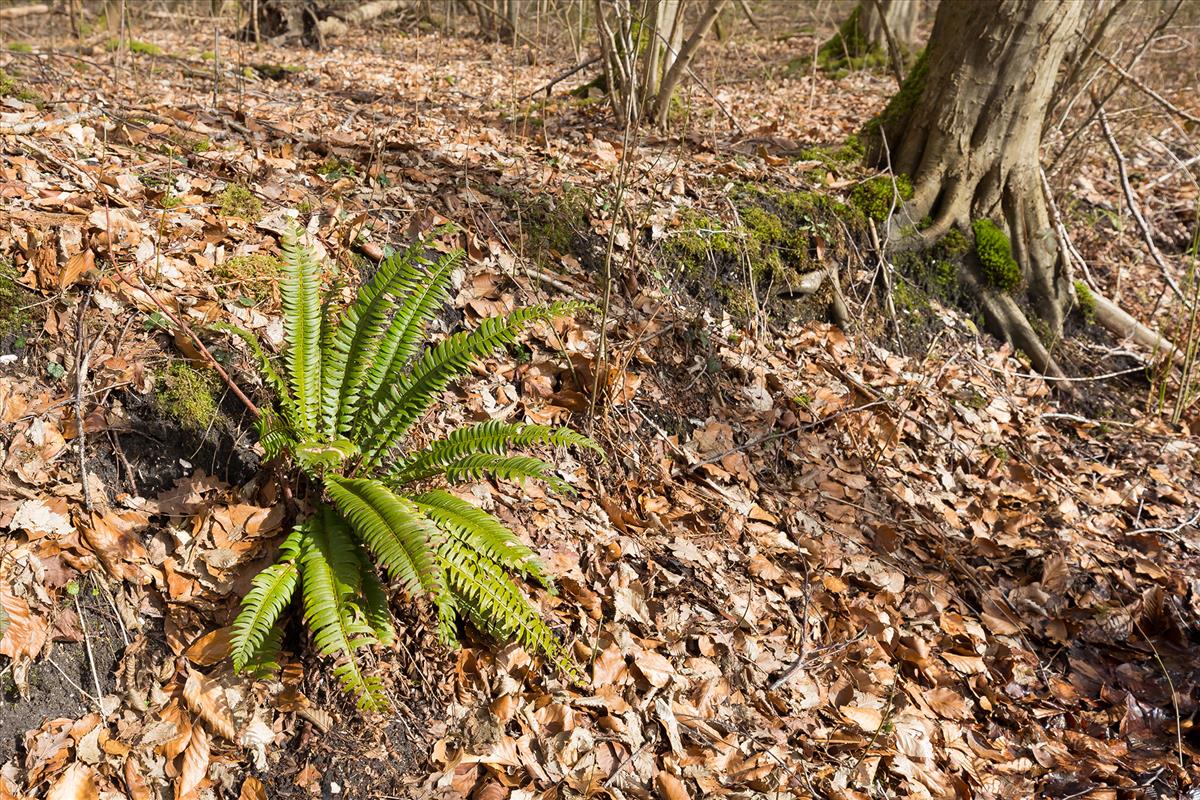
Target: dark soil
(50, 693)
(159, 451)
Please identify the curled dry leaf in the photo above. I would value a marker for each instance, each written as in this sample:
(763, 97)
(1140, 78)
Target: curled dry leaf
(135, 783)
(78, 782)
(195, 765)
(252, 789)
(206, 698)
(24, 634)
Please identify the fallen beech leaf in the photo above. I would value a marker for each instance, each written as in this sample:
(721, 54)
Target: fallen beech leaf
(670, 787)
(869, 719)
(78, 782)
(206, 699)
(25, 634)
(76, 266)
(135, 785)
(210, 648)
(655, 668)
(252, 789)
(195, 764)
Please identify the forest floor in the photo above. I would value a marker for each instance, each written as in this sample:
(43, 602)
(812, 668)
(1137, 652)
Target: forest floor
(816, 563)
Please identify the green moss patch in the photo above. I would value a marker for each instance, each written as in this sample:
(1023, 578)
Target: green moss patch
(994, 251)
(188, 396)
(252, 277)
(238, 201)
(1086, 302)
(11, 87)
(134, 46)
(835, 159)
(15, 300)
(19, 47)
(555, 225)
(877, 197)
(764, 253)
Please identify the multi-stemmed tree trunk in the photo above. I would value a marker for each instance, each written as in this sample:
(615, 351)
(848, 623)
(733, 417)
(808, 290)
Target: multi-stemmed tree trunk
(871, 32)
(647, 49)
(966, 127)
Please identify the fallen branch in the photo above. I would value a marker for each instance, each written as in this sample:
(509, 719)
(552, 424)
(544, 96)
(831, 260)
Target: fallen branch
(370, 10)
(562, 76)
(24, 11)
(1119, 322)
(44, 125)
(1153, 95)
(1143, 226)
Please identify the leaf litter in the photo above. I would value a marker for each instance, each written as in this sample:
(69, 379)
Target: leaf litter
(813, 565)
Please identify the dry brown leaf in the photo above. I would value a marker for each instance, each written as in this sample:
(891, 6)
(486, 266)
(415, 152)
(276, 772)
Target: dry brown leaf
(252, 789)
(869, 719)
(26, 634)
(655, 668)
(669, 787)
(76, 266)
(206, 699)
(209, 649)
(135, 784)
(182, 722)
(78, 782)
(195, 764)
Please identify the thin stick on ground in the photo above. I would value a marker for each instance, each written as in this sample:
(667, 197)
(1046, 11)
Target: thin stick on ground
(83, 358)
(1153, 95)
(87, 643)
(1134, 209)
(178, 321)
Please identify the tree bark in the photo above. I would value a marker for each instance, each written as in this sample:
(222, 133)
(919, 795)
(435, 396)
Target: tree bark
(901, 17)
(966, 128)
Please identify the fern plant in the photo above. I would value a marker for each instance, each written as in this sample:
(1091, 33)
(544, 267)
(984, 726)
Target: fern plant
(349, 392)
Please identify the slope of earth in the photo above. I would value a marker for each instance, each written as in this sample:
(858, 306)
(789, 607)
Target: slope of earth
(812, 565)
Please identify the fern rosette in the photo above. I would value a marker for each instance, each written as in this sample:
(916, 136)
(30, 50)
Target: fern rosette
(350, 389)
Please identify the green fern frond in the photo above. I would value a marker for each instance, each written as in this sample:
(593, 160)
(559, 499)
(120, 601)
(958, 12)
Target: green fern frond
(299, 291)
(513, 468)
(486, 534)
(264, 663)
(355, 342)
(270, 592)
(265, 365)
(394, 529)
(375, 604)
(422, 294)
(332, 580)
(493, 437)
(403, 402)
(274, 434)
(493, 602)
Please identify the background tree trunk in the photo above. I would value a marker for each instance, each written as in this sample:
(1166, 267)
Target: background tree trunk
(861, 41)
(901, 17)
(966, 127)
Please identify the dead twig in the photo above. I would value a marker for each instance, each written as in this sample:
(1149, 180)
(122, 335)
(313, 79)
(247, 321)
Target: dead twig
(82, 360)
(179, 323)
(1143, 226)
(45, 125)
(1153, 95)
(562, 76)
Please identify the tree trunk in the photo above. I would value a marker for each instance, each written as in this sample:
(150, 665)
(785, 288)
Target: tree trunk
(901, 17)
(966, 128)
(862, 40)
